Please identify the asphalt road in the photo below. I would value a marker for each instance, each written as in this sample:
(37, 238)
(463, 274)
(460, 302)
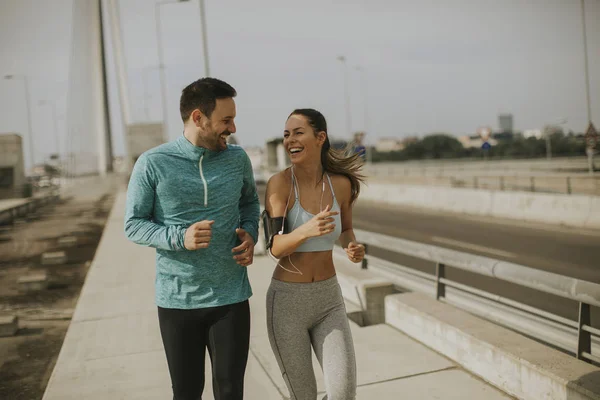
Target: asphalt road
(558, 250)
(564, 251)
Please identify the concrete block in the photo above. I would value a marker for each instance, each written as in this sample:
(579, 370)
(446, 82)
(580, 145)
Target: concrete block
(67, 240)
(9, 325)
(54, 257)
(374, 292)
(514, 363)
(33, 282)
(368, 294)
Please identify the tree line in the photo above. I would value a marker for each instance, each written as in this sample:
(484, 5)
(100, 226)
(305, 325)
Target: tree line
(444, 146)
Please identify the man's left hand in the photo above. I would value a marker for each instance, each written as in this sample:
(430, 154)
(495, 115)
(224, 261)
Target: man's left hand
(245, 251)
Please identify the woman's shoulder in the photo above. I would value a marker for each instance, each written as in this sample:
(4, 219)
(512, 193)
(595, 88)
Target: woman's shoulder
(279, 177)
(341, 186)
(340, 181)
(279, 181)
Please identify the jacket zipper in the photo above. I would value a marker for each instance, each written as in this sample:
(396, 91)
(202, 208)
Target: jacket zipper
(203, 182)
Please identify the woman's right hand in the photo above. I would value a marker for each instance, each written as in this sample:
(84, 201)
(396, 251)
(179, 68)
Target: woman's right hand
(319, 225)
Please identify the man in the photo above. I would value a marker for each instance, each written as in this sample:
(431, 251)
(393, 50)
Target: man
(194, 200)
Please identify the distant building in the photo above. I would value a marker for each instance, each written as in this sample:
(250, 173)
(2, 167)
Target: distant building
(385, 145)
(12, 169)
(410, 140)
(475, 141)
(505, 123)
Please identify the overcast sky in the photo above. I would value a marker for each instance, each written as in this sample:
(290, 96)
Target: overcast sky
(431, 66)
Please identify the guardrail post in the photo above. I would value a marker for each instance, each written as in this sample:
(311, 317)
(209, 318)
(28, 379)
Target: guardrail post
(532, 180)
(584, 339)
(440, 288)
(365, 263)
(569, 190)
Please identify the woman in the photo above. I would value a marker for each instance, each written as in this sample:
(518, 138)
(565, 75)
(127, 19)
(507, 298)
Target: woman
(312, 202)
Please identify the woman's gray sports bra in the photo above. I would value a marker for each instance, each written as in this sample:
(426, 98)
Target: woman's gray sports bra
(298, 216)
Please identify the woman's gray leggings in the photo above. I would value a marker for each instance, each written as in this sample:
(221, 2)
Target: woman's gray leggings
(301, 315)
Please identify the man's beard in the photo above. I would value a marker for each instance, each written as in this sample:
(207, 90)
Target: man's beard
(219, 142)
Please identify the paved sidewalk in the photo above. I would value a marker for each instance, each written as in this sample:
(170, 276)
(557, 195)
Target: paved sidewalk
(113, 348)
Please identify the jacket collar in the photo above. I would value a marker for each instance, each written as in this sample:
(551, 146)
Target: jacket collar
(192, 151)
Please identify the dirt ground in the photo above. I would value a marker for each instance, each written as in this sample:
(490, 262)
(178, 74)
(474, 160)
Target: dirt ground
(27, 359)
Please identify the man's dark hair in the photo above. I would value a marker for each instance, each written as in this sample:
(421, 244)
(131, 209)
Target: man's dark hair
(203, 95)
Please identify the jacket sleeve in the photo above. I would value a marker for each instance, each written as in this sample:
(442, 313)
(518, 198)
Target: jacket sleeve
(139, 225)
(249, 204)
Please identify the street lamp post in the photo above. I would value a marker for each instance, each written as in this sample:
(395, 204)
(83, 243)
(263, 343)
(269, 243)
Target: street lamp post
(204, 37)
(589, 150)
(363, 75)
(342, 59)
(585, 64)
(28, 107)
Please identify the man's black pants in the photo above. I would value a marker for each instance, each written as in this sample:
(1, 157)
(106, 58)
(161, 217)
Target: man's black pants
(225, 330)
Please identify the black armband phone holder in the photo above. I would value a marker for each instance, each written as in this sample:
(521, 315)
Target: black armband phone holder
(272, 227)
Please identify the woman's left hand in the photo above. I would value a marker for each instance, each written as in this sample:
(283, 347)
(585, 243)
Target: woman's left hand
(355, 252)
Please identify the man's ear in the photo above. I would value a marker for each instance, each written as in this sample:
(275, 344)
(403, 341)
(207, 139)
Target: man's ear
(197, 117)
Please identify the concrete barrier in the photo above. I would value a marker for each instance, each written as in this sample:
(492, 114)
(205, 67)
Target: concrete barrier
(578, 211)
(515, 364)
(9, 325)
(364, 289)
(54, 258)
(12, 209)
(33, 282)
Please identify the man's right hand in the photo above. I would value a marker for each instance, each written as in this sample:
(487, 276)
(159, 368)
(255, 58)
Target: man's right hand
(198, 235)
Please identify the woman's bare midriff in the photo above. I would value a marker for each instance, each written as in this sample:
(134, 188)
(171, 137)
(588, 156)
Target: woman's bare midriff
(315, 266)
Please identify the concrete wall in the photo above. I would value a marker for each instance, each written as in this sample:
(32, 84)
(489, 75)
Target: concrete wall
(12, 175)
(580, 211)
(515, 364)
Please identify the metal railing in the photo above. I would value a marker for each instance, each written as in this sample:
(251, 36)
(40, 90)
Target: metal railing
(548, 327)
